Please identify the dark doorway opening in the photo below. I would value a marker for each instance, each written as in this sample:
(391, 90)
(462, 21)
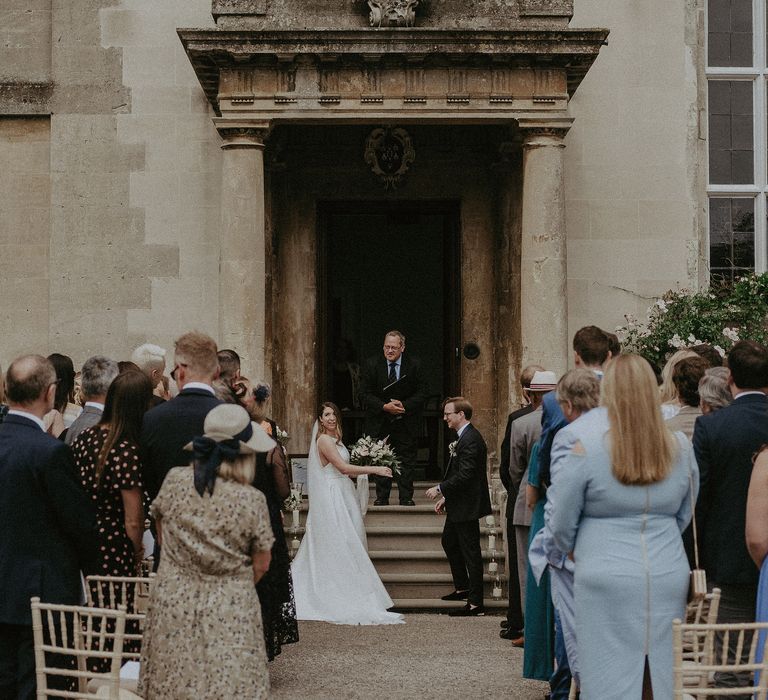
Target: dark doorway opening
(384, 266)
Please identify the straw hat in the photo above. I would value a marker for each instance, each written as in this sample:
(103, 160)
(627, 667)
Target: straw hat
(543, 381)
(229, 421)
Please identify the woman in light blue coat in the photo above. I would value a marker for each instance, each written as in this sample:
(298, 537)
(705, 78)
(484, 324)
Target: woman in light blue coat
(625, 494)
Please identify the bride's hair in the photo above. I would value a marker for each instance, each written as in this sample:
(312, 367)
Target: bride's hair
(336, 412)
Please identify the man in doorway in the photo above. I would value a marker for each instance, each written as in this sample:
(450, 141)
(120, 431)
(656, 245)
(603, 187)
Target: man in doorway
(393, 393)
(463, 496)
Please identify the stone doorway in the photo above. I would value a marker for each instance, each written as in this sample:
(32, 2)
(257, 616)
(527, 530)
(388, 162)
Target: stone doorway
(387, 265)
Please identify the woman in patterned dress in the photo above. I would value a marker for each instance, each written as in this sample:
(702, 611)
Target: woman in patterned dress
(203, 636)
(107, 456)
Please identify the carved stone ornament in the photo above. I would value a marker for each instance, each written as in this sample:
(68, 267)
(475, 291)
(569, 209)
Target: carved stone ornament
(389, 152)
(400, 13)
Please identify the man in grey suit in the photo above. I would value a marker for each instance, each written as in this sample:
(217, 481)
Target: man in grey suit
(97, 374)
(525, 432)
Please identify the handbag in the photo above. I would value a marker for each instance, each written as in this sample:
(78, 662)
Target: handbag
(697, 588)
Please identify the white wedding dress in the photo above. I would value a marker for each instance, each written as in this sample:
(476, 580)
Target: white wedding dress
(333, 577)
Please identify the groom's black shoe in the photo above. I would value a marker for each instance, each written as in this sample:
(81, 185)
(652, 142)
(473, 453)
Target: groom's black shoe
(407, 503)
(380, 502)
(468, 611)
(456, 595)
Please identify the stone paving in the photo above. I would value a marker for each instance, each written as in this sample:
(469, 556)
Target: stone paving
(430, 656)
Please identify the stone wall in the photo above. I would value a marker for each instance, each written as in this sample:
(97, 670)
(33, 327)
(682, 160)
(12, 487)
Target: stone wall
(635, 199)
(25, 231)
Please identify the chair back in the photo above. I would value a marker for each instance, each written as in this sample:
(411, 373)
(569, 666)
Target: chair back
(66, 637)
(748, 660)
(112, 592)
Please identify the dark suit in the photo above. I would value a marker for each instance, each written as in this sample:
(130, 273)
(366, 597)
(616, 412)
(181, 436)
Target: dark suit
(165, 431)
(87, 419)
(724, 443)
(515, 609)
(465, 489)
(403, 430)
(48, 528)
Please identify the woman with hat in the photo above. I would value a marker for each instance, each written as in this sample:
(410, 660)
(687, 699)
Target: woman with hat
(203, 636)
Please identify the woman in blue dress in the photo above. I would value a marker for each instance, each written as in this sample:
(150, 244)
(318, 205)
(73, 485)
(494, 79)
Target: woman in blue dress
(538, 656)
(625, 494)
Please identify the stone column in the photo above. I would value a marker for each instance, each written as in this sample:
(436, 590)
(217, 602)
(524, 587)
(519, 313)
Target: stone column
(242, 268)
(543, 273)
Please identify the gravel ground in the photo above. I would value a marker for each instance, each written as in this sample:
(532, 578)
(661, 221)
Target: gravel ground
(430, 656)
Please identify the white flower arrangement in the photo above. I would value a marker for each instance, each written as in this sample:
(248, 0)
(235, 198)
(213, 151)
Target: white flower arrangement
(452, 448)
(293, 502)
(368, 451)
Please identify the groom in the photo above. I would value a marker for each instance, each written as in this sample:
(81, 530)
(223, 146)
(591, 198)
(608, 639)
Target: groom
(463, 496)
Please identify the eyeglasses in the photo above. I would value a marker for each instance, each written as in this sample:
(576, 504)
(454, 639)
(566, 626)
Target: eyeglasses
(176, 366)
(450, 413)
(392, 347)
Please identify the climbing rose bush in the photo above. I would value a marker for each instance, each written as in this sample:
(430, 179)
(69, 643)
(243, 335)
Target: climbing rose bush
(720, 316)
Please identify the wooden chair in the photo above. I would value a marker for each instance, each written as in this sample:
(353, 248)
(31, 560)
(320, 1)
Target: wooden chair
(76, 634)
(702, 611)
(111, 592)
(701, 638)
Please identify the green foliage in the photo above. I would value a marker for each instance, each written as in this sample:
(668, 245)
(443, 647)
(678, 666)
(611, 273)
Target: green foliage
(720, 316)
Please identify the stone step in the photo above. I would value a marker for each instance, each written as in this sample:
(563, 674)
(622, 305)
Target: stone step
(427, 586)
(424, 562)
(492, 607)
(421, 537)
(419, 487)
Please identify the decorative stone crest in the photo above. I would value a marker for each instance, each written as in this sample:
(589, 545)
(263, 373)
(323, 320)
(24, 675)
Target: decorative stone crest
(400, 13)
(389, 152)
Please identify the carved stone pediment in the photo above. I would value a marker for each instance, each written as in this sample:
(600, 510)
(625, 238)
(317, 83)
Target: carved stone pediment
(387, 13)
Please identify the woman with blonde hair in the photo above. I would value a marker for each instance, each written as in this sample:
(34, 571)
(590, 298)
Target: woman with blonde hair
(625, 494)
(670, 399)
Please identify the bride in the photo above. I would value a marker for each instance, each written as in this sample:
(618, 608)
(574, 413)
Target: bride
(333, 577)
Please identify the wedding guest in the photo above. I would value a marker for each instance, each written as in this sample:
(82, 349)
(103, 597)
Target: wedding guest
(526, 432)
(757, 535)
(614, 346)
(273, 479)
(95, 378)
(203, 636)
(171, 425)
(708, 353)
(109, 463)
(229, 366)
(725, 442)
(578, 392)
(127, 366)
(47, 523)
(3, 405)
(714, 392)
(393, 393)
(463, 497)
(670, 399)
(686, 377)
(624, 494)
(512, 626)
(65, 410)
(150, 359)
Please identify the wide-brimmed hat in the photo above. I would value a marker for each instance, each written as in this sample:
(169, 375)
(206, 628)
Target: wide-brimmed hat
(543, 380)
(232, 422)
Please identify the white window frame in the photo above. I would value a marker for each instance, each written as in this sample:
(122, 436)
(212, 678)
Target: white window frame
(758, 75)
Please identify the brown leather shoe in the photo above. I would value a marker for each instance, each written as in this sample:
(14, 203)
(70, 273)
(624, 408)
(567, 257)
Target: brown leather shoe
(519, 642)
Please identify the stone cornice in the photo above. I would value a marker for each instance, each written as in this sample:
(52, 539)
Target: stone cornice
(572, 50)
(25, 98)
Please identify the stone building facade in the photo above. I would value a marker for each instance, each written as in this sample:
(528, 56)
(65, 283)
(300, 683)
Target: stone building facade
(218, 165)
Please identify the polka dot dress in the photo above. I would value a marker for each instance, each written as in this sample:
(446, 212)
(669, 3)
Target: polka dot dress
(121, 471)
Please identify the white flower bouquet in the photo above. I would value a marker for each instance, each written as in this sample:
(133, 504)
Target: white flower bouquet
(368, 451)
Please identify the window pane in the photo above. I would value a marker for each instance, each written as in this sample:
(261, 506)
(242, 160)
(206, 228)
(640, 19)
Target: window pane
(729, 33)
(731, 144)
(731, 237)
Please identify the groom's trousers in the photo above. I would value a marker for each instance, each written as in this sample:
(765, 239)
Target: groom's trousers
(461, 542)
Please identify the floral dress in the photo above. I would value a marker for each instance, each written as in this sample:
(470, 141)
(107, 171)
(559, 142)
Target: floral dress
(202, 636)
(121, 471)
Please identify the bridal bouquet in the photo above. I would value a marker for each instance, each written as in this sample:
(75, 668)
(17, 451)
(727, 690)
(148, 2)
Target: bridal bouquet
(368, 451)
